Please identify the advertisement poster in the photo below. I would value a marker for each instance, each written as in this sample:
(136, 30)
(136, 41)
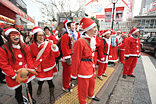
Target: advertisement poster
(119, 14)
(108, 14)
(129, 9)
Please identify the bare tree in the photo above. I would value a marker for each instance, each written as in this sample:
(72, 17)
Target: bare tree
(51, 8)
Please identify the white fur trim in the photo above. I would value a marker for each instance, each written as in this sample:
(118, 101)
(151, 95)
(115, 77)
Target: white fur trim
(85, 76)
(16, 46)
(13, 88)
(89, 27)
(101, 61)
(126, 55)
(73, 77)
(113, 60)
(66, 57)
(43, 79)
(103, 58)
(93, 65)
(31, 69)
(30, 79)
(134, 54)
(92, 96)
(55, 49)
(106, 33)
(135, 31)
(14, 76)
(50, 68)
(37, 30)
(11, 30)
(92, 54)
(55, 73)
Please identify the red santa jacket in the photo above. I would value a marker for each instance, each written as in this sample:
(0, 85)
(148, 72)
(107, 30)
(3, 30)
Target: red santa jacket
(47, 59)
(78, 35)
(51, 37)
(82, 69)
(8, 67)
(104, 50)
(66, 47)
(132, 47)
(122, 45)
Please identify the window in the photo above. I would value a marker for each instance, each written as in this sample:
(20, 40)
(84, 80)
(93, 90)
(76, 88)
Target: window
(151, 23)
(154, 39)
(147, 23)
(155, 23)
(143, 23)
(150, 39)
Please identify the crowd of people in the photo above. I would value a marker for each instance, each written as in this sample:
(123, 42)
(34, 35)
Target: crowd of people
(79, 54)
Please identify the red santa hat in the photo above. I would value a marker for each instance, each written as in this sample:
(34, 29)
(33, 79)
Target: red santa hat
(124, 33)
(111, 29)
(65, 23)
(36, 29)
(113, 32)
(9, 30)
(87, 24)
(119, 31)
(134, 30)
(106, 32)
(55, 31)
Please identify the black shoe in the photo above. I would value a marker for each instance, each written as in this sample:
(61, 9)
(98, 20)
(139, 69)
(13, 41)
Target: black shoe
(124, 76)
(96, 99)
(3, 82)
(131, 75)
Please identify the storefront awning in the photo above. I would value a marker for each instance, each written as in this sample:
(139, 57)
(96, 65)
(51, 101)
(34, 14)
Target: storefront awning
(16, 10)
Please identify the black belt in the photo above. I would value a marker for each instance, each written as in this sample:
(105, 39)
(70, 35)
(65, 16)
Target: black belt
(86, 59)
(96, 51)
(71, 54)
(106, 54)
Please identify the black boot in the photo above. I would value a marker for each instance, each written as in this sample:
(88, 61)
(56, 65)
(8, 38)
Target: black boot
(52, 98)
(39, 90)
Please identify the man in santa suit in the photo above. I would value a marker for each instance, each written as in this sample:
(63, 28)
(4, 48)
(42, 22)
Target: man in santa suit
(49, 36)
(132, 53)
(118, 35)
(76, 30)
(114, 48)
(104, 53)
(82, 63)
(66, 47)
(121, 48)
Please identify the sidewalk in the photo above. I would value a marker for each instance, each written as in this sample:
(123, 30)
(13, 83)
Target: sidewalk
(102, 89)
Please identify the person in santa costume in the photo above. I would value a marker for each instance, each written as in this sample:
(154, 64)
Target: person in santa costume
(49, 36)
(14, 56)
(44, 54)
(56, 34)
(104, 53)
(132, 53)
(114, 48)
(66, 46)
(118, 35)
(76, 30)
(82, 61)
(121, 48)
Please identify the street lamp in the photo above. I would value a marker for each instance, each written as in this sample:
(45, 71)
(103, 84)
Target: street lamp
(114, 2)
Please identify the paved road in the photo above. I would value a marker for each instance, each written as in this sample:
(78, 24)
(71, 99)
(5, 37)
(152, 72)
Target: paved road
(138, 90)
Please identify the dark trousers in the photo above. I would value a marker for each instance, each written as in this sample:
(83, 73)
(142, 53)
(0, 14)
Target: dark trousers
(18, 93)
(2, 76)
(50, 83)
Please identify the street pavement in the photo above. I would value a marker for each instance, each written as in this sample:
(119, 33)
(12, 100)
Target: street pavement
(116, 90)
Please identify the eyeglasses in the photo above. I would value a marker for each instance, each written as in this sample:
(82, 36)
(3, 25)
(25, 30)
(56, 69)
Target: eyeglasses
(40, 35)
(14, 35)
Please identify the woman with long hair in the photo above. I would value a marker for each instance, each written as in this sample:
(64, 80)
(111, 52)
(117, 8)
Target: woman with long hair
(14, 56)
(44, 54)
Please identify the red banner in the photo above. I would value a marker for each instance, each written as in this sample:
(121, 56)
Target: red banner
(129, 9)
(100, 16)
(108, 14)
(119, 13)
(124, 2)
(16, 10)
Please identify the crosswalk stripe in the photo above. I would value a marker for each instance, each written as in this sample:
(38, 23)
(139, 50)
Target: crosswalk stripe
(150, 73)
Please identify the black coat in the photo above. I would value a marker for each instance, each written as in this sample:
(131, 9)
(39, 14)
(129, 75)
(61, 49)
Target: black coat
(1, 41)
